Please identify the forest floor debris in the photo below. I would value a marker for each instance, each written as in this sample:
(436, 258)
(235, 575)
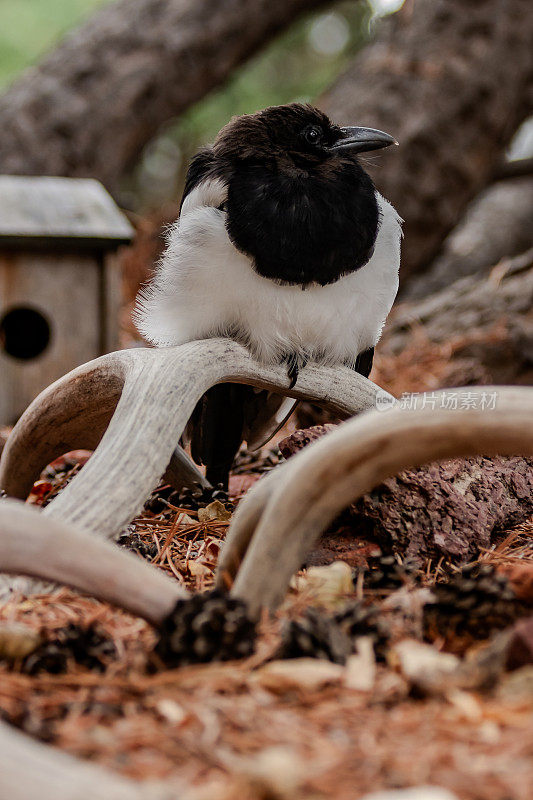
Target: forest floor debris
(348, 728)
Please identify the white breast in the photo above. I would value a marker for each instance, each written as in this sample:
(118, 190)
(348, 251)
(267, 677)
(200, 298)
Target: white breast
(204, 287)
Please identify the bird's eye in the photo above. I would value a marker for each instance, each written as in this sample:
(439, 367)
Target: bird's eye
(313, 134)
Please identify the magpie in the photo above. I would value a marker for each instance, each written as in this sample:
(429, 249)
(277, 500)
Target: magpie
(284, 244)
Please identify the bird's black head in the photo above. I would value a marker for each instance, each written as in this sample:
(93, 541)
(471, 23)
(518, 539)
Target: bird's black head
(299, 203)
(295, 136)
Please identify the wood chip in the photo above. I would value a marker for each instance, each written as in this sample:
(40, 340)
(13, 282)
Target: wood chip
(298, 673)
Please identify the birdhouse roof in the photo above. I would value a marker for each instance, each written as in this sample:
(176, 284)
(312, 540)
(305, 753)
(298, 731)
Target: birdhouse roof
(73, 212)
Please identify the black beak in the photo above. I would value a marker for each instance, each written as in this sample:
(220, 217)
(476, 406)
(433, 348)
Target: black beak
(361, 140)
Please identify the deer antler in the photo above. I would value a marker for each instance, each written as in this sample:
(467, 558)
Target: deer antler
(281, 517)
(30, 769)
(74, 412)
(145, 398)
(32, 544)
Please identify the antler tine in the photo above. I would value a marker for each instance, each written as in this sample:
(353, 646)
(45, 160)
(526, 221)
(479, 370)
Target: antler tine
(31, 544)
(73, 413)
(29, 769)
(334, 471)
(160, 391)
(243, 524)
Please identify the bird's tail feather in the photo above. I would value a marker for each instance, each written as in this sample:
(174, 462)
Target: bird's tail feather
(217, 429)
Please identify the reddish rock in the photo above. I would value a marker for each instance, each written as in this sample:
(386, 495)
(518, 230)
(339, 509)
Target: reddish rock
(293, 443)
(454, 508)
(239, 484)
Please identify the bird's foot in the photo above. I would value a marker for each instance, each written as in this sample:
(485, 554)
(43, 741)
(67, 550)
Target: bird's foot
(294, 365)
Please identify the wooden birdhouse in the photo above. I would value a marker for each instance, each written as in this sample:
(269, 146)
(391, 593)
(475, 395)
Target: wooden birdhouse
(59, 281)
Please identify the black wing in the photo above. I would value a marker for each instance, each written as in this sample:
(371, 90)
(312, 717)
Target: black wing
(217, 421)
(217, 429)
(202, 166)
(364, 361)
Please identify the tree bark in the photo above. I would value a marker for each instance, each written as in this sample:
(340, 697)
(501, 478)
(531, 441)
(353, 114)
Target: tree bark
(92, 105)
(4, 433)
(452, 81)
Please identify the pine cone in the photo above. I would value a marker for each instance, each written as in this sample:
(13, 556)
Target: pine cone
(86, 646)
(60, 470)
(206, 627)
(314, 635)
(132, 541)
(188, 497)
(387, 572)
(200, 498)
(247, 461)
(357, 620)
(471, 606)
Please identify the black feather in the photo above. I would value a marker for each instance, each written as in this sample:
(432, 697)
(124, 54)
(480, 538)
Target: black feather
(300, 230)
(200, 167)
(218, 422)
(364, 361)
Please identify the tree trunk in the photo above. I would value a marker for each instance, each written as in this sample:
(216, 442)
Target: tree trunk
(91, 106)
(478, 331)
(452, 81)
(497, 225)
(4, 433)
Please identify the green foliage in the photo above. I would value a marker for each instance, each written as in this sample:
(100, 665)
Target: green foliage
(29, 28)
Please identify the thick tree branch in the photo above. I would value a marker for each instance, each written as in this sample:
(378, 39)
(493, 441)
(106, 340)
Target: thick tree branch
(484, 321)
(497, 226)
(94, 103)
(438, 76)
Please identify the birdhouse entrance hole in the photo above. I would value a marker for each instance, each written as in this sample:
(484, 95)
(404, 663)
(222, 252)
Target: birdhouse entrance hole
(24, 333)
